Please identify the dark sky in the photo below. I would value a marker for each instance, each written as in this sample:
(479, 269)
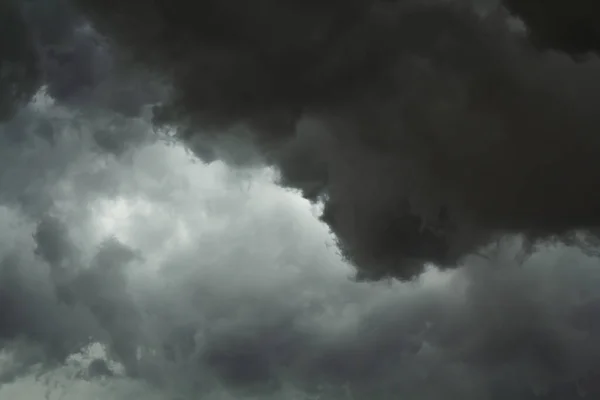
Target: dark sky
(248, 199)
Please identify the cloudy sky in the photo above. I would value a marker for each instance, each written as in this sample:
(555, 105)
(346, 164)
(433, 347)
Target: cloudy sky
(203, 250)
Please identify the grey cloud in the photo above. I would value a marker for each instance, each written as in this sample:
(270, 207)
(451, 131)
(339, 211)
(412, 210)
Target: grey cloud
(499, 332)
(46, 144)
(51, 162)
(59, 312)
(251, 302)
(418, 124)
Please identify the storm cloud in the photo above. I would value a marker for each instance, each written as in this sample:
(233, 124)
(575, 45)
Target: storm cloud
(428, 129)
(165, 176)
(19, 70)
(571, 27)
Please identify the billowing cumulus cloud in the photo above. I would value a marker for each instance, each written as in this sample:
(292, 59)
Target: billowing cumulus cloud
(428, 129)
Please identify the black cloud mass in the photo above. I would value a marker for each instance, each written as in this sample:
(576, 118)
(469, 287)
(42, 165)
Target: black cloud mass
(427, 128)
(285, 199)
(19, 71)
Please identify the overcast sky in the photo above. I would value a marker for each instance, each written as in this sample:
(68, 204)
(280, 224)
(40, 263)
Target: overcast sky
(137, 261)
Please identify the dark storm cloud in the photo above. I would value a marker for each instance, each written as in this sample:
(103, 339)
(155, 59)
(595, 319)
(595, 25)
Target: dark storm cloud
(47, 44)
(427, 128)
(20, 75)
(570, 26)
